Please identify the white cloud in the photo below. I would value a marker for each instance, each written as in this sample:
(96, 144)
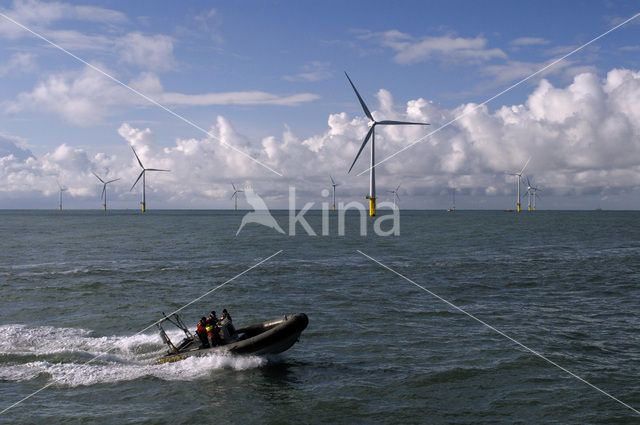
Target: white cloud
(314, 71)
(88, 97)
(34, 13)
(149, 52)
(529, 41)
(583, 139)
(18, 63)
(411, 50)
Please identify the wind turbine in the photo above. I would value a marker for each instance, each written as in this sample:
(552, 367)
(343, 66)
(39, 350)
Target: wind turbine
(453, 208)
(519, 177)
(334, 184)
(395, 195)
(535, 195)
(371, 134)
(143, 174)
(104, 189)
(235, 195)
(62, 189)
(529, 190)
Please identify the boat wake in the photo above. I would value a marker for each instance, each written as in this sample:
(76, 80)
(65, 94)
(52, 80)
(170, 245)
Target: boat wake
(64, 355)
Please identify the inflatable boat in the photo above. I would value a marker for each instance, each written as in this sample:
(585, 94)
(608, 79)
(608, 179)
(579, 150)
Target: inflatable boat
(270, 337)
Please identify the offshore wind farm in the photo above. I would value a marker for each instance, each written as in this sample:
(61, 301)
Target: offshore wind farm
(421, 301)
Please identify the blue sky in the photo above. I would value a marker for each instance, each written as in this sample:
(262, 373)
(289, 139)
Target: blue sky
(267, 77)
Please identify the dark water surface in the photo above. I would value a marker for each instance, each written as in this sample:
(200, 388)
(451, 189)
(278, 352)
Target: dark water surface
(379, 350)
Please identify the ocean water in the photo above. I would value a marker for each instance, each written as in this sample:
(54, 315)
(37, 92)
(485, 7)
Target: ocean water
(378, 350)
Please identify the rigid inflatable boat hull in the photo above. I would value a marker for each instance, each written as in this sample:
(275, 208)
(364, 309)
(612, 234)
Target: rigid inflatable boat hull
(270, 337)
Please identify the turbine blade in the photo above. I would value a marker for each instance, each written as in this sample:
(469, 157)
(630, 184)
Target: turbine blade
(139, 162)
(98, 177)
(397, 196)
(134, 185)
(366, 139)
(155, 169)
(332, 181)
(525, 165)
(111, 181)
(104, 189)
(397, 188)
(364, 106)
(387, 122)
(234, 186)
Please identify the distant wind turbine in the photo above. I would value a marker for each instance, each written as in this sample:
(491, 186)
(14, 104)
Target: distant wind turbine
(395, 196)
(371, 134)
(104, 189)
(62, 189)
(334, 184)
(534, 194)
(235, 195)
(143, 174)
(519, 177)
(453, 208)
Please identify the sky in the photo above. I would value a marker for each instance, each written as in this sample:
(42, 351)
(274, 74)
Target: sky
(254, 93)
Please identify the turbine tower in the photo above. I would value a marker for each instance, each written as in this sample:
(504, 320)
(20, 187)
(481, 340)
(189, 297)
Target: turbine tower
(104, 189)
(143, 174)
(535, 195)
(235, 195)
(371, 134)
(519, 177)
(453, 207)
(62, 189)
(529, 192)
(395, 195)
(334, 184)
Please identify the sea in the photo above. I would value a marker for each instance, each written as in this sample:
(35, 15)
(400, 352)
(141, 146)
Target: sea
(470, 317)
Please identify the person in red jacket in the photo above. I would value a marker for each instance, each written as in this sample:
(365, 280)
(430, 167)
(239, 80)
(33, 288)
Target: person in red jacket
(201, 331)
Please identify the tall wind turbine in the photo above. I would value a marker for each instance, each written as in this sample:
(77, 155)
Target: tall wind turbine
(371, 134)
(104, 189)
(334, 184)
(62, 189)
(235, 195)
(143, 174)
(519, 177)
(395, 196)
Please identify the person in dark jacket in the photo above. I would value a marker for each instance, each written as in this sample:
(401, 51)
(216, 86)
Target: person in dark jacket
(201, 331)
(213, 330)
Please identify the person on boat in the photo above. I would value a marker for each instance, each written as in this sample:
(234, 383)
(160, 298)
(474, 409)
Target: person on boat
(225, 315)
(228, 330)
(213, 330)
(201, 331)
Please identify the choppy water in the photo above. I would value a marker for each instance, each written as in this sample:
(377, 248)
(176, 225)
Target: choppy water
(78, 284)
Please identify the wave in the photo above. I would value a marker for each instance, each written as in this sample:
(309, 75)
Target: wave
(73, 357)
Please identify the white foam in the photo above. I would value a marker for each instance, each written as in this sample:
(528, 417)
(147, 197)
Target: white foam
(131, 359)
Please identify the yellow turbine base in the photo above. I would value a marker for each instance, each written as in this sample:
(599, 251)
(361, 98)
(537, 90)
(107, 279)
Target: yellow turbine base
(518, 207)
(144, 207)
(334, 207)
(529, 208)
(372, 207)
(105, 207)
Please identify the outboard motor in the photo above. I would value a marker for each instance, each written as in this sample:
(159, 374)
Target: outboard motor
(228, 331)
